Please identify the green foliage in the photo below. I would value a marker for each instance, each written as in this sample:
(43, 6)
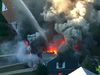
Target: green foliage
(88, 64)
(81, 59)
(0, 6)
(3, 30)
(41, 70)
(2, 19)
(98, 69)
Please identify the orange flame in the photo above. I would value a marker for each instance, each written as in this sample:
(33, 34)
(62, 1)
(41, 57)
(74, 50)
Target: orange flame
(77, 46)
(30, 53)
(27, 43)
(28, 46)
(54, 49)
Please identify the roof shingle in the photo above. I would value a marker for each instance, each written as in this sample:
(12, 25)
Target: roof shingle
(10, 14)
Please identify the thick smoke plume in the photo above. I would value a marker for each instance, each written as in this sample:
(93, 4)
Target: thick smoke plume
(62, 10)
(72, 30)
(72, 19)
(31, 59)
(27, 24)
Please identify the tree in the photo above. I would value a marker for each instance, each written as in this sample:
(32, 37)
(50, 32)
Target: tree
(98, 69)
(41, 70)
(3, 30)
(88, 64)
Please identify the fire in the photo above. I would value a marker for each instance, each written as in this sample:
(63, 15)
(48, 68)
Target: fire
(27, 43)
(28, 46)
(30, 53)
(60, 74)
(53, 49)
(64, 41)
(77, 46)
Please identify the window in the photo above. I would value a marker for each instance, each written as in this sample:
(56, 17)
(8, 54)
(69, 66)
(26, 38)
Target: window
(60, 67)
(4, 8)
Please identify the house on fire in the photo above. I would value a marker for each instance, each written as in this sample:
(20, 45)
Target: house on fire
(70, 66)
(63, 66)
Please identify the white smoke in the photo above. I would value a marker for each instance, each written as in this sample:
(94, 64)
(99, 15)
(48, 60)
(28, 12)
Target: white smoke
(31, 59)
(70, 9)
(26, 25)
(19, 48)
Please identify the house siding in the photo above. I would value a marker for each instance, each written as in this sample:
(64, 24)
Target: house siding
(70, 65)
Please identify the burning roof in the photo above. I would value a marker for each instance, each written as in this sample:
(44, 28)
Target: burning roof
(72, 24)
(72, 19)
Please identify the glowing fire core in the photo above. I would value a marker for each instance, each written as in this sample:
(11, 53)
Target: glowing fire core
(53, 49)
